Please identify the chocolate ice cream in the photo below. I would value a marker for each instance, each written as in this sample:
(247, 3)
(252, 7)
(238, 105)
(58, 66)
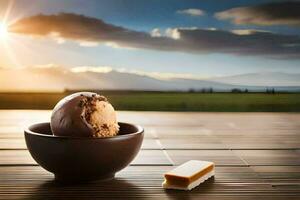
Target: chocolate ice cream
(84, 114)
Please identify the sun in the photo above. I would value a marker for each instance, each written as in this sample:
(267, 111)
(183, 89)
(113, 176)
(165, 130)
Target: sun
(3, 31)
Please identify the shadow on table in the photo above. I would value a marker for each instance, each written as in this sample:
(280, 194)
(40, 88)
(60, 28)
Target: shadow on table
(202, 190)
(117, 188)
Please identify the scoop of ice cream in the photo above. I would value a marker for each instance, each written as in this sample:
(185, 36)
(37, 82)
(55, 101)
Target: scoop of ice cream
(84, 114)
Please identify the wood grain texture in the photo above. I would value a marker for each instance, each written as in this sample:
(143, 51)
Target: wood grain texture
(256, 155)
(23, 157)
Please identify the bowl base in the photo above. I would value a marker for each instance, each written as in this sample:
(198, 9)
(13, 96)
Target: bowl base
(75, 179)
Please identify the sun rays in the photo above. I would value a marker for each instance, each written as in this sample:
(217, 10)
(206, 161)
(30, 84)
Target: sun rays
(3, 31)
(8, 41)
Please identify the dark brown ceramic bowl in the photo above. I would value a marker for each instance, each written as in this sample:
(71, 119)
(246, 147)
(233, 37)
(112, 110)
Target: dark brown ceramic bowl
(82, 158)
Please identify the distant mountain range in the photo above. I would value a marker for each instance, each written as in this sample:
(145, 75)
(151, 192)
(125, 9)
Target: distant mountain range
(59, 79)
(262, 79)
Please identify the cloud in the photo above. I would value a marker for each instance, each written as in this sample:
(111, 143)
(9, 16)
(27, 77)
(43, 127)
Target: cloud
(279, 13)
(90, 32)
(45, 66)
(169, 33)
(156, 33)
(157, 75)
(173, 33)
(191, 12)
(88, 43)
(245, 31)
(99, 69)
(56, 37)
(87, 30)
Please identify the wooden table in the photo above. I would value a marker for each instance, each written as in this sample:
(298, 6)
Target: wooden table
(257, 156)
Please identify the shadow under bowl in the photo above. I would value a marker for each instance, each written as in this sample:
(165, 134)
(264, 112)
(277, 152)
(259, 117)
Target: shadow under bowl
(74, 159)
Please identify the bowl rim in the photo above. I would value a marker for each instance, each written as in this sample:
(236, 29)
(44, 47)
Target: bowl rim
(27, 130)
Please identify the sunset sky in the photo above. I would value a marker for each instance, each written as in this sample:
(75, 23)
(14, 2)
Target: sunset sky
(203, 38)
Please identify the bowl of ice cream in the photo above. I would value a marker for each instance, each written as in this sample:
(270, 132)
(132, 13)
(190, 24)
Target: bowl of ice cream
(83, 141)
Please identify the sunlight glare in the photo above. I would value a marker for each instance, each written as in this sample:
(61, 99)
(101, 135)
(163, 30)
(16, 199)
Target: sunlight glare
(3, 31)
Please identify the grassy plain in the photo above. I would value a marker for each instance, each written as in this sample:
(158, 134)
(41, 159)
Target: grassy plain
(167, 101)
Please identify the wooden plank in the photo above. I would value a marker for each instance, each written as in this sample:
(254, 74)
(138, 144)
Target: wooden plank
(274, 169)
(255, 132)
(253, 157)
(220, 157)
(138, 182)
(182, 141)
(270, 157)
(192, 143)
(23, 157)
(151, 144)
(16, 157)
(169, 132)
(151, 157)
(19, 143)
(259, 142)
(205, 119)
(288, 175)
(11, 132)
(273, 174)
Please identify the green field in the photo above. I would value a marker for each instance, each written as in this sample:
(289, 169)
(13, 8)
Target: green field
(167, 101)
